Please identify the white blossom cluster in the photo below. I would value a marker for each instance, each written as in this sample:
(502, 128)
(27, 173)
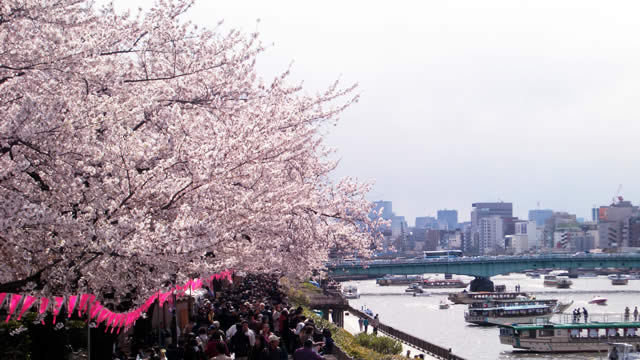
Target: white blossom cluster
(17, 331)
(140, 150)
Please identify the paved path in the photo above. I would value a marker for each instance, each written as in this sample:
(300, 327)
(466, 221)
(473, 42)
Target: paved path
(351, 325)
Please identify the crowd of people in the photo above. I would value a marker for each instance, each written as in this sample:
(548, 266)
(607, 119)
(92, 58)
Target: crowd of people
(250, 320)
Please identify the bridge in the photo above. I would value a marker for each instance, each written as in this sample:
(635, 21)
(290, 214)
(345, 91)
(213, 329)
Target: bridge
(483, 267)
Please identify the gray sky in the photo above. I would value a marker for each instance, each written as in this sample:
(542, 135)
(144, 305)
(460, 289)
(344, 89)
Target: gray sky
(466, 101)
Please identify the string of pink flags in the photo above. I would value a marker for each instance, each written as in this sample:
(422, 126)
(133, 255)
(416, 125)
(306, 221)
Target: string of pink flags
(88, 305)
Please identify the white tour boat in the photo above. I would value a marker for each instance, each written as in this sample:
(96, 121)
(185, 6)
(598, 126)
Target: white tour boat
(466, 297)
(501, 315)
(350, 292)
(571, 337)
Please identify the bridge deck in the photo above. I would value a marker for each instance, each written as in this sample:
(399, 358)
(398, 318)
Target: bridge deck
(485, 266)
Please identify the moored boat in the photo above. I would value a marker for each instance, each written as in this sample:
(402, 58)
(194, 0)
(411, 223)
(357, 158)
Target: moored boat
(573, 337)
(350, 292)
(620, 280)
(564, 283)
(466, 297)
(443, 305)
(533, 275)
(550, 280)
(413, 287)
(501, 315)
(440, 283)
(398, 279)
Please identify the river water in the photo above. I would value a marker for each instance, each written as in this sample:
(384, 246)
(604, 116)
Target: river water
(421, 317)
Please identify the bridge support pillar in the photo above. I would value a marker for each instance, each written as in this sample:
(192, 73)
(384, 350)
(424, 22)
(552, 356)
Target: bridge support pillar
(481, 283)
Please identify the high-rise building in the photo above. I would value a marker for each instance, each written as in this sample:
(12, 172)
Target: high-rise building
(482, 210)
(540, 216)
(448, 217)
(491, 234)
(387, 209)
(487, 241)
(426, 222)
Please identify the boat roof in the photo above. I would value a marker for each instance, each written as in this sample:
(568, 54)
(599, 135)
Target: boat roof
(591, 325)
(517, 307)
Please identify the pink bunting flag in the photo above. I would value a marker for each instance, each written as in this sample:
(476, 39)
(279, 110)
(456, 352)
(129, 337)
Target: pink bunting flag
(28, 301)
(95, 310)
(15, 300)
(71, 304)
(44, 303)
(57, 306)
(103, 315)
(83, 303)
(149, 301)
(163, 297)
(2, 296)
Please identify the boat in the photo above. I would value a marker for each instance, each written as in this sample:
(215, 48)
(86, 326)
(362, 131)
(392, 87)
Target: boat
(367, 311)
(570, 337)
(350, 292)
(564, 283)
(439, 283)
(466, 297)
(420, 292)
(550, 280)
(598, 300)
(412, 288)
(533, 275)
(443, 305)
(398, 280)
(557, 307)
(562, 306)
(623, 351)
(502, 315)
(587, 275)
(620, 280)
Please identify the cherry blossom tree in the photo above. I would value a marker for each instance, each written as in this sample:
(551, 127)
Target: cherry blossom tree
(137, 150)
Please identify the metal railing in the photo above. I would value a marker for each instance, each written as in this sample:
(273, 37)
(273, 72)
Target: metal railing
(423, 345)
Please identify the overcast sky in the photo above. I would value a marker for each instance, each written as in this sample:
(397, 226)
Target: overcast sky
(466, 101)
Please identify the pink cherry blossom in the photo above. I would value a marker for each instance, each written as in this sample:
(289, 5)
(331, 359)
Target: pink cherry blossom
(139, 151)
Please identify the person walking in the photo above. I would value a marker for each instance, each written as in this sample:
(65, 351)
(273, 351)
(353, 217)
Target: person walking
(635, 314)
(627, 313)
(375, 323)
(361, 322)
(366, 325)
(578, 315)
(586, 314)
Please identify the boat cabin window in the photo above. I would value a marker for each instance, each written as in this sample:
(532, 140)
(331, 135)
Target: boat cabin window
(630, 332)
(506, 332)
(593, 333)
(545, 332)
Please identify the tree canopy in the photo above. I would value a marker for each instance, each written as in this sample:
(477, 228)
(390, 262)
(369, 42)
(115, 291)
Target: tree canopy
(141, 149)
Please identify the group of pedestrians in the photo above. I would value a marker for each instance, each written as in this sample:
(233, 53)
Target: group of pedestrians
(577, 314)
(364, 323)
(251, 320)
(627, 314)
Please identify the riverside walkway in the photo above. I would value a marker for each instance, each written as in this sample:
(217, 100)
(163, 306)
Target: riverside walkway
(433, 350)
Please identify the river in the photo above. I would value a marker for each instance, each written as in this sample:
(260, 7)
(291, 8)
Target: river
(421, 316)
